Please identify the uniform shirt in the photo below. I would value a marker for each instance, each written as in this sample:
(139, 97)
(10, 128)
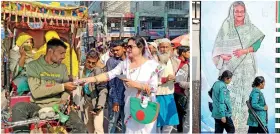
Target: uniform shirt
(258, 103)
(221, 101)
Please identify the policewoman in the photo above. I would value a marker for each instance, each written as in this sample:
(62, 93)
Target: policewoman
(222, 110)
(258, 104)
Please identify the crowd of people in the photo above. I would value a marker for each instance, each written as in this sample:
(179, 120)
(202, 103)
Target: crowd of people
(154, 72)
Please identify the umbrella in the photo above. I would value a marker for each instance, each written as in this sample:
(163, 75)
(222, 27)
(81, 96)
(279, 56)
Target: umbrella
(181, 40)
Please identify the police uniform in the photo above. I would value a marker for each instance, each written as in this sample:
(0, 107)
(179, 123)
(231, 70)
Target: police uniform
(222, 108)
(258, 103)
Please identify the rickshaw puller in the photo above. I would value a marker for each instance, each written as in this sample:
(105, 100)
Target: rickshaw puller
(49, 84)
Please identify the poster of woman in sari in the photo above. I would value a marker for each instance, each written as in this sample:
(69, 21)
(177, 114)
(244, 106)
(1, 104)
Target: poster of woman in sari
(241, 41)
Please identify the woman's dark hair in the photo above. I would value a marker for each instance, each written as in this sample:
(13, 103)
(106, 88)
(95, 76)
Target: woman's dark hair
(140, 42)
(182, 49)
(93, 54)
(258, 80)
(226, 75)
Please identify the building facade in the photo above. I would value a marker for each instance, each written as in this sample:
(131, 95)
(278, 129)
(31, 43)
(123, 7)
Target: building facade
(152, 19)
(163, 18)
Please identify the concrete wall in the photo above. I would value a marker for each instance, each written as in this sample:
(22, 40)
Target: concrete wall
(112, 7)
(197, 9)
(184, 11)
(195, 52)
(119, 6)
(146, 8)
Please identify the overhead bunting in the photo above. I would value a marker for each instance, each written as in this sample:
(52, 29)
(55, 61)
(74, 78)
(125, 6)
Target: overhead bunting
(52, 14)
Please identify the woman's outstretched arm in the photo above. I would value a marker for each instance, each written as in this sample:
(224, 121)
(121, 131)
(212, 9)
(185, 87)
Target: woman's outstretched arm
(105, 76)
(95, 79)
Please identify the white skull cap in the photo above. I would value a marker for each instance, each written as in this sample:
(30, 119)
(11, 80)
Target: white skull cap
(158, 41)
(153, 44)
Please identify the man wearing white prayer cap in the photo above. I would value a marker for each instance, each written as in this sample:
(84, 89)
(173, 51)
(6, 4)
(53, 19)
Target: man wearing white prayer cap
(166, 88)
(153, 47)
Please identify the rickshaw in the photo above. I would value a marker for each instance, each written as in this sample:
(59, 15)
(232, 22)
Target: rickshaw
(36, 18)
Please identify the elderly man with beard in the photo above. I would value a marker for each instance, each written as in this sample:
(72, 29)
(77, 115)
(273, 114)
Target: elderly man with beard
(168, 116)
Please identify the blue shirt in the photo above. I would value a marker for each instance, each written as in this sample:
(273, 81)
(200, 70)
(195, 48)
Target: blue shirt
(86, 87)
(116, 87)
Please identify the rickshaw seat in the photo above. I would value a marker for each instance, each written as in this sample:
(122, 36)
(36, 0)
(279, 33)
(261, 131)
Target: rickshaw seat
(16, 99)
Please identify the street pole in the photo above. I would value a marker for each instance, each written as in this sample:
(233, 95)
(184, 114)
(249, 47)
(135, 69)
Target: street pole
(87, 34)
(195, 9)
(87, 39)
(136, 19)
(97, 32)
(166, 19)
(121, 28)
(105, 20)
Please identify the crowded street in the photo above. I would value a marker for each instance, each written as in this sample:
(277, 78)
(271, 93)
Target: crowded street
(95, 67)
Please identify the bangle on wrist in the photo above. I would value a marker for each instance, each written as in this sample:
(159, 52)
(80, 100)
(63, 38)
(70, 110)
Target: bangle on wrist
(248, 51)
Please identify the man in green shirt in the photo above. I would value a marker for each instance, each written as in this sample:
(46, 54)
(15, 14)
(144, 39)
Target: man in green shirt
(49, 84)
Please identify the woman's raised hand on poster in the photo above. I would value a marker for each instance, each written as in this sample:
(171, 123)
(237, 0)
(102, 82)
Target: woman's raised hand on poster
(239, 52)
(226, 57)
